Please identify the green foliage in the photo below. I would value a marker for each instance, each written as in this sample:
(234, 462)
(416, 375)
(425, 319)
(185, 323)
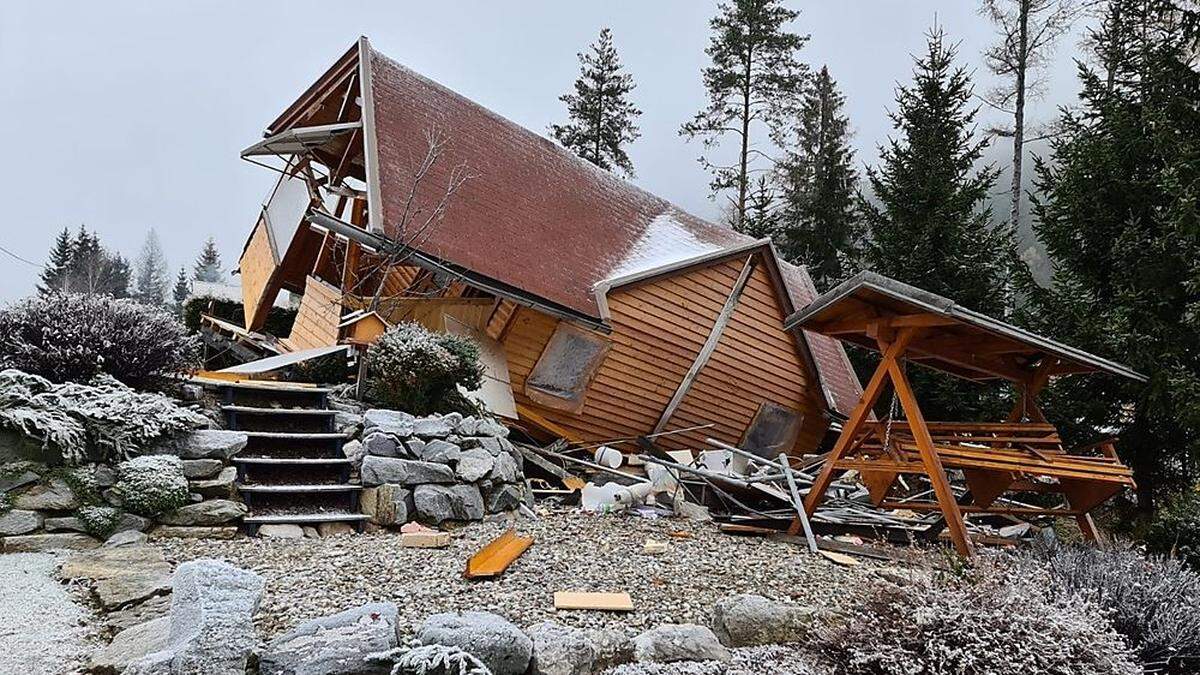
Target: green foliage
(927, 221)
(180, 292)
(73, 337)
(99, 521)
(819, 226)
(602, 116)
(1175, 530)
(754, 80)
(152, 484)
(82, 481)
(83, 265)
(1117, 210)
(58, 266)
(279, 319)
(413, 369)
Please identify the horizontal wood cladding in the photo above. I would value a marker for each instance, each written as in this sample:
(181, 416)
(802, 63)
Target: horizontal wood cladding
(659, 327)
(317, 320)
(257, 268)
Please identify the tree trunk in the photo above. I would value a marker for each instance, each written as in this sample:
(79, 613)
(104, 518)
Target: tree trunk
(1019, 112)
(744, 171)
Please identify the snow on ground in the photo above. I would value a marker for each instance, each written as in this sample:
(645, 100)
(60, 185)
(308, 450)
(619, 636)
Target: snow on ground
(42, 629)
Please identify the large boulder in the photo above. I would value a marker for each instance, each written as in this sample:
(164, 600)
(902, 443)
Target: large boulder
(501, 646)
(438, 503)
(19, 521)
(752, 620)
(679, 642)
(129, 645)
(334, 644)
(561, 650)
(212, 630)
(206, 513)
(381, 470)
(53, 496)
(205, 444)
(388, 504)
(474, 464)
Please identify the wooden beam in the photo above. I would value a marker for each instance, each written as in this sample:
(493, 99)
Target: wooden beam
(864, 324)
(710, 345)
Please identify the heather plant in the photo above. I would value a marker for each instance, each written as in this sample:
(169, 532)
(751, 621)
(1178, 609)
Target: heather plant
(1154, 603)
(72, 337)
(98, 521)
(419, 371)
(995, 616)
(152, 484)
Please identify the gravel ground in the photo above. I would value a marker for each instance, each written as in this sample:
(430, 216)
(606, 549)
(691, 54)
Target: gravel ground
(43, 630)
(774, 659)
(573, 551)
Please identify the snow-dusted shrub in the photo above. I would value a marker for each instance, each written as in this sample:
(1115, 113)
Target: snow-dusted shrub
(1154, 603)
(82, 481)
(416, 370)
(995, 616)
(1176, 529)
(105, 420)
(152, 484)
(98, 521)
(72, 337)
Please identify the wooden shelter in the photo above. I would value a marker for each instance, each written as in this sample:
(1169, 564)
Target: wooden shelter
(1022, 453)
(608, 312)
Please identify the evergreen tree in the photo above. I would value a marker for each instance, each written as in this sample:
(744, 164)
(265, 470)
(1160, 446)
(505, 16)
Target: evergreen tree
(208, 264)
(819, 227)
(181, 291)
(58, 267)
(601, 114)
(151, 272)
(762, 211)
(928, 224)
(754, 79)
(94, 270)
(1117, 210)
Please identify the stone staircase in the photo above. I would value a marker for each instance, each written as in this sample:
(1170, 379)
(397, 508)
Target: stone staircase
(292, 471)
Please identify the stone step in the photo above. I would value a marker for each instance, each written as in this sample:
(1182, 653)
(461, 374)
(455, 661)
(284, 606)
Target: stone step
(298, 435)
(302, 488)
(291, 461)
(255, 410)
(305, 518)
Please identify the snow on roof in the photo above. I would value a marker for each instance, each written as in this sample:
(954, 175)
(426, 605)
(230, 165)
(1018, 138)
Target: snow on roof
(666, 240)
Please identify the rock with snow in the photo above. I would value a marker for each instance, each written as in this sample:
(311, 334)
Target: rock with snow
(53, 496)
(194, 532)
(505, 469)
(334, 644)
(613, 647)
(220, 485)
(433, 427)
(129, 645)
(394, 422)
(503, 498)
(205, 444)
(354, 451)
(440, 451)
(381, 470)
(19, 521)
(121, 590)
(125, 538)
(752, 620)
(195, 469)
(281, 531)
(438, 503)
(501, 646)
(490, 427)
(679, 642)
(561, 650)
(474, 464)
(380, 444)
(32, 543)
(347, 422)
(212, 627)
(205, 513)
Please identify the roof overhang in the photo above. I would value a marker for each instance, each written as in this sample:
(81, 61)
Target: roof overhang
(955, 339)
(299, 140)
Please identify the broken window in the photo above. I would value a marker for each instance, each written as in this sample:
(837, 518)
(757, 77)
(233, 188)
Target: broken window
(561, 375)
(773, 430)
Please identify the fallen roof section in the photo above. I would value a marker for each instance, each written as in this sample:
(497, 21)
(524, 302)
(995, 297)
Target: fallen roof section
(299, 140)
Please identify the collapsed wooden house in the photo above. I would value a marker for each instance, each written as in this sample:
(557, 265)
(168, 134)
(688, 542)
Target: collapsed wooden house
(604, 312)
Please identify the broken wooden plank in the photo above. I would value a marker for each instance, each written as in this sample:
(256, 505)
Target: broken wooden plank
(425, 539)
(609, 602)
(493, 559)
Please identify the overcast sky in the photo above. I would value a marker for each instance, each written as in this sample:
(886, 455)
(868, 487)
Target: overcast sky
(129, 115)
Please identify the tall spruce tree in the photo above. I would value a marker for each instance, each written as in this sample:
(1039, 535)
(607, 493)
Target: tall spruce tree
(58, 267)
(95, 270)
(1117, 210)
(819, 226)
(151, 272)
(601, 115)
(181, 291)
(927, 221)
(208, 263)
(754, 80)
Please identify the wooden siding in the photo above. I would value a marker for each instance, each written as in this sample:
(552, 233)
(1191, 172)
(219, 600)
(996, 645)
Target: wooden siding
(318, 318)
(658, 329)
(257, 267)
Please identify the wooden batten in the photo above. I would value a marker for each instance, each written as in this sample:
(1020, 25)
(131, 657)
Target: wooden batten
(319, 316)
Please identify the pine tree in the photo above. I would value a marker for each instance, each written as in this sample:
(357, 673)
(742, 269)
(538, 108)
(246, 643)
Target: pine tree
(1117, 210)
(602, 116)
(58, 267)
(181, 291)
(819, 226)
(928, 224)
(208, 264)
(94, 270)
(151, 272)
(754, 79)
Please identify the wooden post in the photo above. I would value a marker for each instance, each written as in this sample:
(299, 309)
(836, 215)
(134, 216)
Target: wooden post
(933, 465)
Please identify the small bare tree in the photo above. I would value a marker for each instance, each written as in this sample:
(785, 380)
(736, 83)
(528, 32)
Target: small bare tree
(1028, 31)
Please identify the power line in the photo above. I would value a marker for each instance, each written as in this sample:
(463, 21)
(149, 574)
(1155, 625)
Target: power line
(17, 257)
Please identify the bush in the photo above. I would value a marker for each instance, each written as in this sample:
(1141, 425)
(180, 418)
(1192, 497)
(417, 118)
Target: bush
(994, 617)
(71, 337)
(413, 369)
(1176, 530)
(99, 521)
(1154, 603)
(279, 319)
(152, 484)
